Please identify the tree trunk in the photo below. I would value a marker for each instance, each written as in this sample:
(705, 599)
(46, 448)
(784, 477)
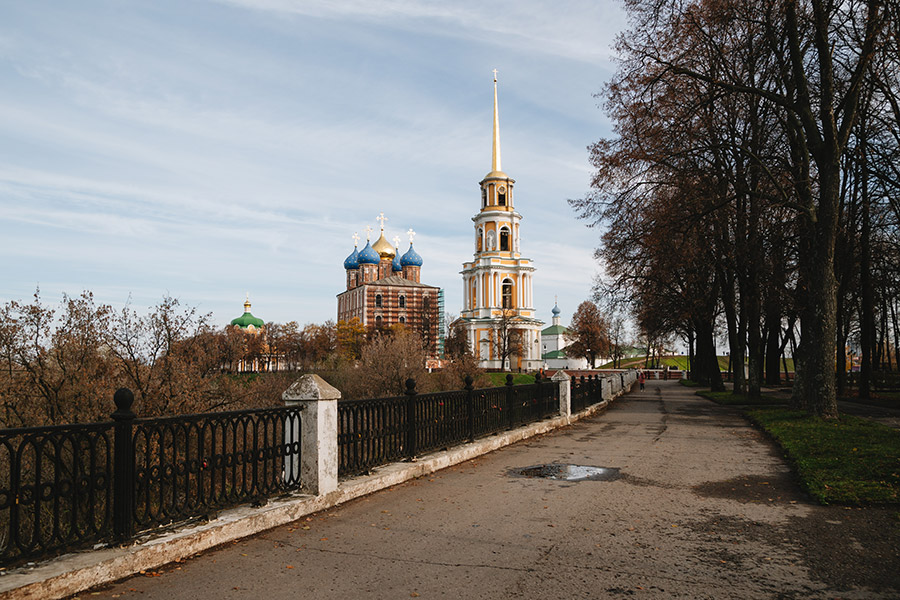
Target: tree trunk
(815, 360)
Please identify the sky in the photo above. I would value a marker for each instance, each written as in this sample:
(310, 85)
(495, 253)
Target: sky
(205, 149)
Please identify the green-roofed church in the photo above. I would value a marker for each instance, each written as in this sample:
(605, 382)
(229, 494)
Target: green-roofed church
(257, 355)
(553, 346)
(247, 321)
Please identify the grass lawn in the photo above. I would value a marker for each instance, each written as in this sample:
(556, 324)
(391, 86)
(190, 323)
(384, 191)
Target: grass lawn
(499, 379)
(729, 399)
(844, 461)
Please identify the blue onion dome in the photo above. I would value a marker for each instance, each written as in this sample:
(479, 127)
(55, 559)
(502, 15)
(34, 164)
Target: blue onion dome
(352, 261)
(411, 258)
(368, 256)
(395, 264)
(555, 310)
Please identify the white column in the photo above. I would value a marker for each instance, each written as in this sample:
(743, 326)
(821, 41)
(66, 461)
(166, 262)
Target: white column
(318, 433)
(562, 379)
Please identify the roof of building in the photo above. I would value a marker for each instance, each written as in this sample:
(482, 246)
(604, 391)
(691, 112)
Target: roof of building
(555, 354)
(393, 281)
(411, 258)
(555, 330)
(246, 320)
(352, 261)
(368, 256)
(396, 280)
(383, 247)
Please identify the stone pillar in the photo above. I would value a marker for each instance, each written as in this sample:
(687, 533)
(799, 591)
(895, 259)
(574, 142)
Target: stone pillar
(318, 433)
(606, 390)
(562, 379)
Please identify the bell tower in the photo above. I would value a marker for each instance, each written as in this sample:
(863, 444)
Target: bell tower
(498, 304)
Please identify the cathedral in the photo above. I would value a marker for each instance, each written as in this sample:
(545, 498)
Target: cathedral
(384, 289)
(498, 306)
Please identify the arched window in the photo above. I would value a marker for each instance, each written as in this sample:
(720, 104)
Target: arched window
(401, 301)
(403, 320)
(480, 234)
(379, 321)
(506, 293)
(504, 239)
(501, 195)
(483, 197)
(379, 301)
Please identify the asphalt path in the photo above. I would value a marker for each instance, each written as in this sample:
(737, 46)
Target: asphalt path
(703, 506)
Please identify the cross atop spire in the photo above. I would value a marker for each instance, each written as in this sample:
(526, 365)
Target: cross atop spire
(495, 75)
(355, 239)
(381, 218)
(411, 235)
(368, 233)
(396, 241)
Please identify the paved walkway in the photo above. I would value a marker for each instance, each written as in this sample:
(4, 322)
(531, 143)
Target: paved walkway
(704, 508)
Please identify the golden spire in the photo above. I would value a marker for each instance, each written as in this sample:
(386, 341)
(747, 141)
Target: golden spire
(495, 163)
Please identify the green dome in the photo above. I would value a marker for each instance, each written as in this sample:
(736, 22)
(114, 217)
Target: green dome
(246, 320)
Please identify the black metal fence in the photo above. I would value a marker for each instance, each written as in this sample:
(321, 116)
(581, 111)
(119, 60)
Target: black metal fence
(72, 486)
(586, 391)
(377, 432)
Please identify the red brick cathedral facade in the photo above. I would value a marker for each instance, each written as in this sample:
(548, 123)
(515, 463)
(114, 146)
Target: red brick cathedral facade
(384, 289)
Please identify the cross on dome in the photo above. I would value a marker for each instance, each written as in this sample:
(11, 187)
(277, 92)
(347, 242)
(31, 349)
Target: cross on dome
(397, 241)
(411, 234)
(381, 218)
(355, 239)
(368, 233)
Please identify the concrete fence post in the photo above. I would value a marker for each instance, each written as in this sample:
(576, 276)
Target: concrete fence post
(562, 379)
(606, 390)
(318, 431)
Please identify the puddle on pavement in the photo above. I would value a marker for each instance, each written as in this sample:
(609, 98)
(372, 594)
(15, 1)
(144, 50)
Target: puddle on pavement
(568, 472)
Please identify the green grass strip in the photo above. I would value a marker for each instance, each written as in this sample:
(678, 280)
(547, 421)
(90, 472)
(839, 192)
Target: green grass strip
(844, 461)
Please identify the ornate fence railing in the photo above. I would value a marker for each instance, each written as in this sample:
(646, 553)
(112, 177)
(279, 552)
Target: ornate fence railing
(376, 432)
(56, 487)
(71, 486)
(585, 391)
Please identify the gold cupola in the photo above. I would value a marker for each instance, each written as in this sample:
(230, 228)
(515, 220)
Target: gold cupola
(381, 245)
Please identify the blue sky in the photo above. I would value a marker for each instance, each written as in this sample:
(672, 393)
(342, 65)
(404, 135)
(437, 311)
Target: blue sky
(204, 149)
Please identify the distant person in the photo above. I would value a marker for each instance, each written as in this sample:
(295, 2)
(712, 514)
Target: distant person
(641, 378)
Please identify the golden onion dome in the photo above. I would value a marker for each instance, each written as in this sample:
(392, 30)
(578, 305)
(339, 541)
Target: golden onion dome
(384, 248)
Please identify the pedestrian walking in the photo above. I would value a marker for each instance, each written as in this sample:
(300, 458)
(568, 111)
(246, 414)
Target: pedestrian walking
(641, 378)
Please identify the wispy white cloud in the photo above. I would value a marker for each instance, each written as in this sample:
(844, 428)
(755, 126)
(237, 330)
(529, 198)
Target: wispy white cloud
(579, 30)
(207, 149)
